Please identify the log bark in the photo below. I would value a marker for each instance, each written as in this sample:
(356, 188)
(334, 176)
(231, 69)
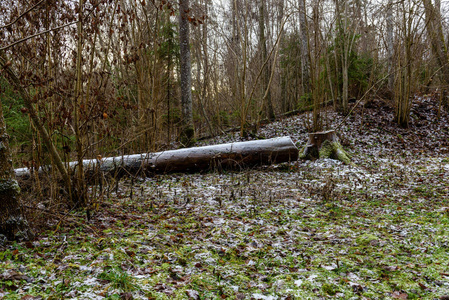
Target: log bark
(224, 156)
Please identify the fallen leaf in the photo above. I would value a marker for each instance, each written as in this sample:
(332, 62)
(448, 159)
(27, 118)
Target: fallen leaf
(391, 268)
(192, 294)
(399, 295)
(13, 275)
(126, 296)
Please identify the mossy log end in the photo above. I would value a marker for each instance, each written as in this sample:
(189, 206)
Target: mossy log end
(325, 144)
(12, 225)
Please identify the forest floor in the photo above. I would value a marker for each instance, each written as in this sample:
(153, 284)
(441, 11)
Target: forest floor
(305, 230)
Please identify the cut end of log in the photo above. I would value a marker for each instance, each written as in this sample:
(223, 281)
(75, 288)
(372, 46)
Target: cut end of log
(325, 144)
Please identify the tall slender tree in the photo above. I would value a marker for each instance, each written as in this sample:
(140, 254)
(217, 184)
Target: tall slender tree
(187, 131)
(304, 40)
(390, 43)
(435, 32)
(80, 188)
(267, 102)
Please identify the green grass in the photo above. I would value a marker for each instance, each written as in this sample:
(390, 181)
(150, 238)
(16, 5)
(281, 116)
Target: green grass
(374, 238)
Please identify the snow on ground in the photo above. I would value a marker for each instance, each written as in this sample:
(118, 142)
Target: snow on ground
(304, 230)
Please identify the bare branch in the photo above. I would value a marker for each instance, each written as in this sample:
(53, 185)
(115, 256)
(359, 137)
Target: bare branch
(24, 13)
(36, 34)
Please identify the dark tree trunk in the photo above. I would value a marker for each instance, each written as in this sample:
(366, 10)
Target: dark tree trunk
(12, 224)
(305, 58)
(435, 32)
(187, 130)
(28, 102)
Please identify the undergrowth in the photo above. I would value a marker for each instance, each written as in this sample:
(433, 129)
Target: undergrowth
(305, 230)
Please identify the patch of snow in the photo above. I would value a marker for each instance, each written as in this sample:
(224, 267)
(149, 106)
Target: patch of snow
(312, 277)
(89, 295)
(352, 276)
(89, 281)
(85, 268)
(234, 288)
(261, 296)
(331, 267)
(298, 282)
(251, 263)
(210, 261)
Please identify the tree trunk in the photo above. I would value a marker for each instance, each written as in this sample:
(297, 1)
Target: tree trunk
(315, 68)
(345, 83)
(390, 44)
(345, 58)
(13, 226)
(28, 102)
(224, 156)
(305, 58)
(403, 84)
(267, 102)
(79, 196)
(187, 131)
(435, 32)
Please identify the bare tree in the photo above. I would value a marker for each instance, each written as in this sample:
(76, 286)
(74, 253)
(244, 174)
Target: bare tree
(188, 131)
(347, 28)
(435, 33)
(390, 43)
(267, 102)
(80, 186)
(304, 41)
(406, 56)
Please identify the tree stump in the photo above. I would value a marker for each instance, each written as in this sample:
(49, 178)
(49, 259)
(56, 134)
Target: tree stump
(325, 144)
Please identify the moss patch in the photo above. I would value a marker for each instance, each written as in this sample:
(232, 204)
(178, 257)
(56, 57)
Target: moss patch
(334, 150)
(366, 239)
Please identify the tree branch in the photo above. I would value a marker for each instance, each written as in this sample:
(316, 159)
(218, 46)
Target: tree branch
(36, 34)
(24, 13)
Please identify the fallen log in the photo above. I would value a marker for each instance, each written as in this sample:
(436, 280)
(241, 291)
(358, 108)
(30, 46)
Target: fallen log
(207, 158)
